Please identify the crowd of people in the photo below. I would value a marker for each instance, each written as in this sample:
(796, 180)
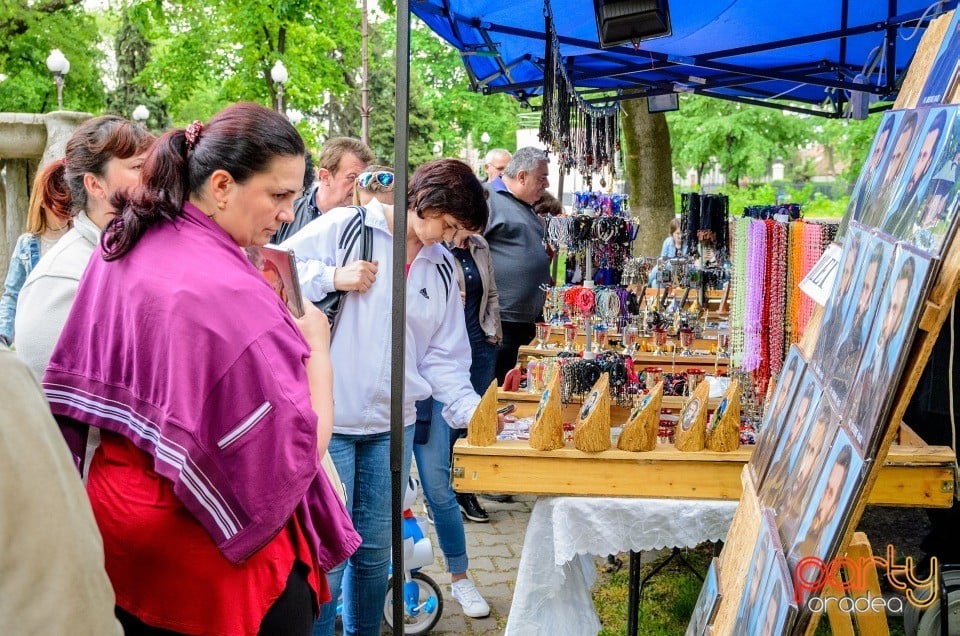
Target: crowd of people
(195, 411)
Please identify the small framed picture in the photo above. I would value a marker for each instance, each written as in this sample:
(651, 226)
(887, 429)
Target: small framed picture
(707, 603)
(876, 378)
(831, 500)
(787, 449)
(776, 607)
(863, 190)
(858, 306)
(945, 67)
(761, 564)
(774, 416)
(792, 499)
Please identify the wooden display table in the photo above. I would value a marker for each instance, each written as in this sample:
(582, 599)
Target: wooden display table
(919, 476)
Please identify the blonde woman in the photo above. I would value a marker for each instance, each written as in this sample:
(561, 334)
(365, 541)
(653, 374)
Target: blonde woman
(48, 219)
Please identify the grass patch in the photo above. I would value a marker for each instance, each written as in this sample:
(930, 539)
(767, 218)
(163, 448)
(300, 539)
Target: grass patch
(668, 598)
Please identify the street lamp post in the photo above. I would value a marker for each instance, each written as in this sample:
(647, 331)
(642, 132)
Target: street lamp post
(279, 76)
(59, 65)
(484, 139)
(140, 114)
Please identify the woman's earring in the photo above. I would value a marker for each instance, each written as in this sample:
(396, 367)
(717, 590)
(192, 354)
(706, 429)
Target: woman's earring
(221, 205)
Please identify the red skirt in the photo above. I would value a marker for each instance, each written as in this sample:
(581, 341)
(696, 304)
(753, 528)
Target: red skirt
(165, 568)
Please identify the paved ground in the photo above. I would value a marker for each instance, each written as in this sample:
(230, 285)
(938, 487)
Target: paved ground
(494, 549)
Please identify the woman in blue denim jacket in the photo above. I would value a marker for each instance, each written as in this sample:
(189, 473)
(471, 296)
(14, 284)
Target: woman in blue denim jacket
(48, 218)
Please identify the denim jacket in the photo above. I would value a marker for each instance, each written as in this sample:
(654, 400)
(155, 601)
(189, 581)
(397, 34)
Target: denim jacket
(25, 255)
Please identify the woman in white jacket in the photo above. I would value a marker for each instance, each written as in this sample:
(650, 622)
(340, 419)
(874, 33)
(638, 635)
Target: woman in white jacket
(103, 156)
(446, 202)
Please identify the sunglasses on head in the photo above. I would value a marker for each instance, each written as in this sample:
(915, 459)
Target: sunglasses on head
(385, 179)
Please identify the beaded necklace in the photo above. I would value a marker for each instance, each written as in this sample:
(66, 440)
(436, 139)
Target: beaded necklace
(778, 300)
(794, 265)
(738, 277)
(812, 251)
(755, 280)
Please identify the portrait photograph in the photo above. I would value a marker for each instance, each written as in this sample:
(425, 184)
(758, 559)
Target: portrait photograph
(870, 171)
(833, 496)
(934, 212)
(776, 607)
(859, 306)
(708, 602)
(889, 344)
(792, 500)
(833, 314)
(761, 563)
(890, 180)
(943, 71)
(787, 451)
(903, 213)
(775, 413)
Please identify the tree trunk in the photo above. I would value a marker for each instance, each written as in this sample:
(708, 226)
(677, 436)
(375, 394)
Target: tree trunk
(649, 168)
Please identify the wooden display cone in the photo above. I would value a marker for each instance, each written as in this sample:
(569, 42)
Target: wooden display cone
(592, 432)
(693, 421)
(482, 430)
(547, 430)
(723, 432)
(640, 431)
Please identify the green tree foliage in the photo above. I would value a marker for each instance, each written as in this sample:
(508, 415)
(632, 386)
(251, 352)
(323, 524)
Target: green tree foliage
(442, 107)
(28, 32)
(448, 94)
(344, 113)
(133, 54)
(743, 140)
(210, 53)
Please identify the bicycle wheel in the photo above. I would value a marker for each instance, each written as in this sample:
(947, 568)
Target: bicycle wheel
(429, 609)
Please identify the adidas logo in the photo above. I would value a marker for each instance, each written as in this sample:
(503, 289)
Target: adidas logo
(423, 292)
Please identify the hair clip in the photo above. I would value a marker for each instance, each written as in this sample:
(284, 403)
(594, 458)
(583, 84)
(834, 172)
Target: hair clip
(192, 134)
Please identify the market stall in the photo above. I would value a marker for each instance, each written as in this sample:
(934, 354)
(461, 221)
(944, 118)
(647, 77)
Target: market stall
(905, 473)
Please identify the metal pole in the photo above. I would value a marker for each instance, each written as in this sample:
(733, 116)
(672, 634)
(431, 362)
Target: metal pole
(398, 357)
(364, 73)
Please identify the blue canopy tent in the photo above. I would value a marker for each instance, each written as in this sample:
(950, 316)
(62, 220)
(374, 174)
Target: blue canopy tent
(808, 52)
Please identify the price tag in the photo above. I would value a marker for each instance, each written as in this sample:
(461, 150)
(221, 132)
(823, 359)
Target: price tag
(818, 283)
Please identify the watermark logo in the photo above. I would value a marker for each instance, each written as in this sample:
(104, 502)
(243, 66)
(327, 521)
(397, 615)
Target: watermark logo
(843, 574)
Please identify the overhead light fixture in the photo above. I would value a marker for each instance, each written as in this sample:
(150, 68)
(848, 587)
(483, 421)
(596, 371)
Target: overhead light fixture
(621, 21)
(663, 103)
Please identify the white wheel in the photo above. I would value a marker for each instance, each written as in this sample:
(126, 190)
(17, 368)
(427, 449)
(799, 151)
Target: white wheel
(429, 609)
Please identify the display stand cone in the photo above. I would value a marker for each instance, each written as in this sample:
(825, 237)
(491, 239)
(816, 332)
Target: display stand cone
(690, 431)
(547, 430)
(640, 431)
(723, 431)
(592, 432)
(482, 430)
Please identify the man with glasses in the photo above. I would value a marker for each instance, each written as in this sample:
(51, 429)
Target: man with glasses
(342, 159)
(495, 162)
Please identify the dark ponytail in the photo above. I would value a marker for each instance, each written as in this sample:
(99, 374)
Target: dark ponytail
(242, 139)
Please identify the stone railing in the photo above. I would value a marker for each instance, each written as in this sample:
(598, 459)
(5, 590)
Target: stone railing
(27, 142)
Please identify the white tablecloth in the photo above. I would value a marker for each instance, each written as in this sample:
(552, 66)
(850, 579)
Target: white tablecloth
(552, 594)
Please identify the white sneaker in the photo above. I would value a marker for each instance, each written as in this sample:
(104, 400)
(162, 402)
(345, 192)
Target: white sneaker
(465, 593)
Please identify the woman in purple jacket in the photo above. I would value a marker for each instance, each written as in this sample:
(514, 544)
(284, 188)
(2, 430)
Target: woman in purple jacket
(214, 403)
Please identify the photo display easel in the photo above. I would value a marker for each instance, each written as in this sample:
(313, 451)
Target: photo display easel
(843, 391)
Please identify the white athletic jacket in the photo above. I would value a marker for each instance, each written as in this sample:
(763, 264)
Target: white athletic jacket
(438, 348)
